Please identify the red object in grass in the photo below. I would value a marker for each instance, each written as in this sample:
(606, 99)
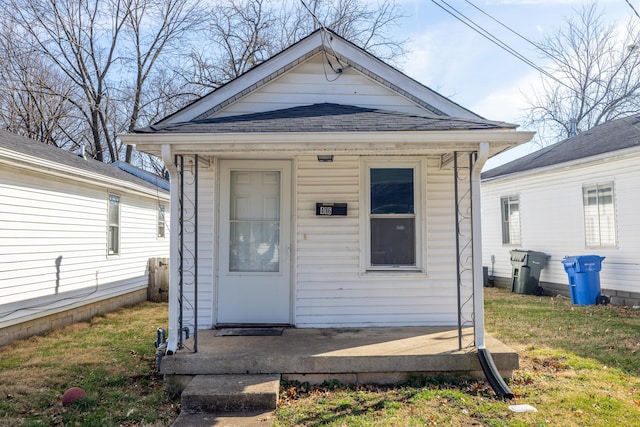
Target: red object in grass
(72, 395)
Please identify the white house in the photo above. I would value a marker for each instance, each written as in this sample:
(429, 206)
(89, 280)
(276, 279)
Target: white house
(76, 236)
(324, 188)
(576, 197)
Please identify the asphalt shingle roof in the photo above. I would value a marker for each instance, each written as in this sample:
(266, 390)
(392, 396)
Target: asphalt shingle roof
(23, 145)
(608, 137)
(326, 117)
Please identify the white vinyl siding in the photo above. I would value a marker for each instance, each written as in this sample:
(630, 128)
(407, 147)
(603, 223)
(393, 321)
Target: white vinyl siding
(510, 210)
(313, 82)
(552, 220)
(53, 240)
(599, 215)
(332, 290)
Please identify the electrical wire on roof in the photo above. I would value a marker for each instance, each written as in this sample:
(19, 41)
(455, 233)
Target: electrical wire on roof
(326, 38)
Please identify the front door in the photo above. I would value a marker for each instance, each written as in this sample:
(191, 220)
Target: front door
(254, 283)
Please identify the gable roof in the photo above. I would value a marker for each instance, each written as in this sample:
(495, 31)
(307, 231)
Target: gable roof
(608, 137)
(325, 117)
(330, 45)
(16, 148)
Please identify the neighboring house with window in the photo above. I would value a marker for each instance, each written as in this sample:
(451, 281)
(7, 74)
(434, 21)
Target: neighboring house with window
(576, 197)
(324, 188)
(75, 236)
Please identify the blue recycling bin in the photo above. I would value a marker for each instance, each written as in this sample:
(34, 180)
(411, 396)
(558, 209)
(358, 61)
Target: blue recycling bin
(584, 278)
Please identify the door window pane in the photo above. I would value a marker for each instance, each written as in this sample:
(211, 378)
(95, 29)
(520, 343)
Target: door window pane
(254, 221)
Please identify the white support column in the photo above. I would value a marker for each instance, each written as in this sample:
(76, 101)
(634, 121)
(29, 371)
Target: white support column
(478, 285)
(174, 304)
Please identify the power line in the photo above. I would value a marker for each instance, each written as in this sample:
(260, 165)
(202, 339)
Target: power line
(633, 8)
(493, 39)
(483, 32)
(326, 40)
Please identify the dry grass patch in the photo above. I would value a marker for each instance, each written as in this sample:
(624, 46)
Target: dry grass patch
(579, 366)
(111, 357)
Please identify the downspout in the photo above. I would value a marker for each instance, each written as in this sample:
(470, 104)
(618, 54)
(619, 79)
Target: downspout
(174, 330)
(478, 292)
(486, 361)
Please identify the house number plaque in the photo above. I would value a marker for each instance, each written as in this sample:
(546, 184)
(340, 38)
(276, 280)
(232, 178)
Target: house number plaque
(331, 209)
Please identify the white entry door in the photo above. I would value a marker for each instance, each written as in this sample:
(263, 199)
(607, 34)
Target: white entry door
(254, 283)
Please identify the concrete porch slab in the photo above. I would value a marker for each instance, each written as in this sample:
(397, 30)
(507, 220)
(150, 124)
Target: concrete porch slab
(300, 353)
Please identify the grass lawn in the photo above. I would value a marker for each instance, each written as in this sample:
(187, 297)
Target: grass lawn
(579, 366)
(111, 357)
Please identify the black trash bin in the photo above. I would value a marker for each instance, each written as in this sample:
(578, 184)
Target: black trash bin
(525, 273)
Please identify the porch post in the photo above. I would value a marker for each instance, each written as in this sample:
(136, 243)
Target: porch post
(174, 329)
(476, 233)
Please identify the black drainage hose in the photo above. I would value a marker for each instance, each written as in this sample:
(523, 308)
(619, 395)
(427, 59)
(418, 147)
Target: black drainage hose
(493, 376)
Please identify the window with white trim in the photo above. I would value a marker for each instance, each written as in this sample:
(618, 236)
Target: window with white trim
(599, 215)
(161, 221)
(393, 226)
(510, 207)
(113, 218)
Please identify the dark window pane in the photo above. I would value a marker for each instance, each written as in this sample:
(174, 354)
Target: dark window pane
(393, 241)
(392, 191)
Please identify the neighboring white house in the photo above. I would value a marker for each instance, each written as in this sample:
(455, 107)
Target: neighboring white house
(324, 188)
(577, 197)
(75, 236)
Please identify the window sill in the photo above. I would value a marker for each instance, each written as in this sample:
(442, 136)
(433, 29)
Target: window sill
(409, 273)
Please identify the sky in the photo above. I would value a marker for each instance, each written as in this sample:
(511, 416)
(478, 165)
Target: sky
(452, 59)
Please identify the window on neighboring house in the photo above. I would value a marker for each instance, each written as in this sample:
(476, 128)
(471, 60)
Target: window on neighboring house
(161, 222)
(599, 215)
(393, 224)
(113, 243)
(510, 220)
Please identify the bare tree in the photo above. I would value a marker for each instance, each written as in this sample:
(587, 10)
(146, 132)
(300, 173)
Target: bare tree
(30, 103)
(245, 33)
(596, 76)
(367, 24)
(86, 70)
(79, 37)
(153, 28)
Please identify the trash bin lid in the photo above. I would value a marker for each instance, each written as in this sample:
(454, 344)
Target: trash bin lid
(583, 263)
(519, 255)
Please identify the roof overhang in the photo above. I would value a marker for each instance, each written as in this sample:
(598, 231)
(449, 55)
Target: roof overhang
(347, 143)
(34, 164)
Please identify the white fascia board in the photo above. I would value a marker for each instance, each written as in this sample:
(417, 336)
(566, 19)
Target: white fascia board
(343, 142)
(43, 166)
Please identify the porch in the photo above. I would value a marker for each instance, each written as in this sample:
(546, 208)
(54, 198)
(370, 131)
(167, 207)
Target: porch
(350, 355)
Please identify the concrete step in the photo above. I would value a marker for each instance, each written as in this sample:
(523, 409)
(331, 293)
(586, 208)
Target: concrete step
(231, 393)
